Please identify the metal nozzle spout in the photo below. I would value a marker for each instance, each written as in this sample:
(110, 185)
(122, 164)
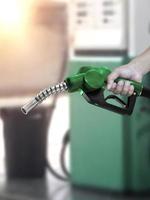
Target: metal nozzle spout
(29, 106)
(43, 95)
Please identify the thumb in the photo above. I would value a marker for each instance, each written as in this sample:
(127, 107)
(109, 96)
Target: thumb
(111, 78)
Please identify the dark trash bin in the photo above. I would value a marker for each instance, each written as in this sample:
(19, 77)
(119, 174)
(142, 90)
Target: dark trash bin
(25, 141)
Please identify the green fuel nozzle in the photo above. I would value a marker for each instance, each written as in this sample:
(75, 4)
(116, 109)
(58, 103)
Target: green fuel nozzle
(88, 79)
(91, 81)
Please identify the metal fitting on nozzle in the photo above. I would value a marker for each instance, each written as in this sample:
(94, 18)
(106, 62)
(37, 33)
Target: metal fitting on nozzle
(43, 95)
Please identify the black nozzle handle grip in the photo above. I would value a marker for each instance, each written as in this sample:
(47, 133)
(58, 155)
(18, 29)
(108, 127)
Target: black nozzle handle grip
(145, 92)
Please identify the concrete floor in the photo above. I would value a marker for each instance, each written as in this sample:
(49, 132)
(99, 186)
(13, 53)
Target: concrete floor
(50, 188)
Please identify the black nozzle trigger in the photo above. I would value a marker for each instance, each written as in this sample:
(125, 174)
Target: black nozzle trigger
(97, 98)
(120, 101)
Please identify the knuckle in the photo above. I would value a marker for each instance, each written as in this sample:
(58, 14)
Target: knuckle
(119, 89)
(132, 88)
(114, 86)
(121, 83)
(127, 83)
(125, 91)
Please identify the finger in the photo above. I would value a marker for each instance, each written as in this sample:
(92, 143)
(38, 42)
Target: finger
(131, 90)
(111, 78)
(119, 87)
(109, 85)
(113, 88)
(126, 88)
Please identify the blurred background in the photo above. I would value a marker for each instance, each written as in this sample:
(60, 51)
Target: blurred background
(42, 42)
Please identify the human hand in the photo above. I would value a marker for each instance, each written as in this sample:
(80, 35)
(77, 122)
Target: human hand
(128, 71)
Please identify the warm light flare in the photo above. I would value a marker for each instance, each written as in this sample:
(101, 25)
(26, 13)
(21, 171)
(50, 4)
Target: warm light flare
(14, 16)
(10, 14)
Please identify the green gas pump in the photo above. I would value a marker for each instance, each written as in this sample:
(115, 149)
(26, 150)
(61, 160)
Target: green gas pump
(109, 151)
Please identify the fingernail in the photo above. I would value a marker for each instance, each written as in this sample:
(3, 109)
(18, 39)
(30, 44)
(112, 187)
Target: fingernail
(120, 83)
(108, 87)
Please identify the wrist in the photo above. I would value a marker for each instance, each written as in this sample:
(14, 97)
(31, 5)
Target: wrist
(140, 67)
(141, 64)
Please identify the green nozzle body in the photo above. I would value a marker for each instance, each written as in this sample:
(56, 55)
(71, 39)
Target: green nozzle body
(92, 78)
(88, 79)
